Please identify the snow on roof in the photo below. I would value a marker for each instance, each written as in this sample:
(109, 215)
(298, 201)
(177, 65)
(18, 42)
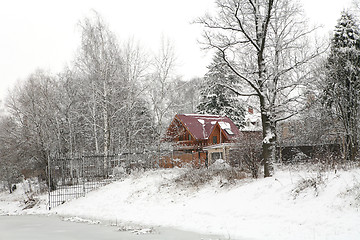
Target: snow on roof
(201, 126)
(252, 117)
(202, 115)
(224, 125)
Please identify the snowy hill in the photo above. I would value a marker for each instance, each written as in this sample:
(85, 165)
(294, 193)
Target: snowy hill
(291, 205)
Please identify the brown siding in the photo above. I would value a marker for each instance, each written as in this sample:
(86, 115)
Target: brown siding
(195, 159)
(216, 133)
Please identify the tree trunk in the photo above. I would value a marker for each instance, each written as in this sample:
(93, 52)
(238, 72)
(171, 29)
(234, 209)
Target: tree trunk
(268, 125)
(269, 141)
(106, 130)
(93, 115)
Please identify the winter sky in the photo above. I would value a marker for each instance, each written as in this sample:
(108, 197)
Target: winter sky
(44, 34)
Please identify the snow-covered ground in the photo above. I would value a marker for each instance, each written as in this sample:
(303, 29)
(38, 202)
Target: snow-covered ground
(291, 205)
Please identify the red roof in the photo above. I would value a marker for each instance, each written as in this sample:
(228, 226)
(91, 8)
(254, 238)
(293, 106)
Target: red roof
(201, 126)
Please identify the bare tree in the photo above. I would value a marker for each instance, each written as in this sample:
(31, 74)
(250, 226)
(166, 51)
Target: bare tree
(134, 116)
(11, 162)
(247, 153)
(160, 87)
(113, 88)
(37, 120)
(100, 61)
(264, 42)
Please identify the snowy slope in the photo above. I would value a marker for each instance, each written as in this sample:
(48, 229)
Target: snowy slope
(286, 206)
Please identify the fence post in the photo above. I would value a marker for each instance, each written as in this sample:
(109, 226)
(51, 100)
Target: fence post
(49, 182)
(83, 175)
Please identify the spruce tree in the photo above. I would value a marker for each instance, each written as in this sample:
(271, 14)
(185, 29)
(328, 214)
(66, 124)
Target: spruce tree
(218, 99)
(341, 94)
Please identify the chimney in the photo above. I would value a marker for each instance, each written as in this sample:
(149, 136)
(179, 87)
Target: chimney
(251, 110)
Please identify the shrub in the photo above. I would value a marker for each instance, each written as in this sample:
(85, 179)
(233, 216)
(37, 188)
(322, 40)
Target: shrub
(354, 194)
(197, 177)
(314, 183)
(247, 153)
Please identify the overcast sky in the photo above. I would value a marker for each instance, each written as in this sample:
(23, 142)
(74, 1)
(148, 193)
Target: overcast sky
(44, 34)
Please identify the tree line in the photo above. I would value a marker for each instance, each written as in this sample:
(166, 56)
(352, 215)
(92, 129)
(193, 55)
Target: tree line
(117, 98)
(267, 47)
(114, 98)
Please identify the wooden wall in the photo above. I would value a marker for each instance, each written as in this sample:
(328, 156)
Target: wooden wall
(194, 159)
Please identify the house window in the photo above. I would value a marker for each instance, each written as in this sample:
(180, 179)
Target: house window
(189, 137)
(214, 139)
(180, 138)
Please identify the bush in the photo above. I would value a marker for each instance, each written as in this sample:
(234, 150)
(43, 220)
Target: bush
(354, 194)
(313, 183)
(197, 177)
(247, 153)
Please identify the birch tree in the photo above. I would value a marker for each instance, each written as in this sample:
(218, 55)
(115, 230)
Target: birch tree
(264, 43)
(112, 75)
(100, 62)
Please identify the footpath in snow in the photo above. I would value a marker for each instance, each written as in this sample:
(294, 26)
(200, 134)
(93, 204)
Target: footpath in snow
(289, 205)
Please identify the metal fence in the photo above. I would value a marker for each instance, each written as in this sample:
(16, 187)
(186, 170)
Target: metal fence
(71, 178)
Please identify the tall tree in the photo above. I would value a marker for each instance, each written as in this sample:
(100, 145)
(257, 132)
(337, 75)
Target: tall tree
(264, 43)
(161, 83)
(11, 158)
(216, 98)
(342, 91)
(185, 95)
(100, 62)
(37, 120)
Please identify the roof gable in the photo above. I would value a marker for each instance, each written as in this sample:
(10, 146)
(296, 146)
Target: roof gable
(201, 126)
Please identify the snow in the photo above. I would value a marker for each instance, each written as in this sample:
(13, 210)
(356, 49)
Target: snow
(252, 122)
(201, 121)
(220, 164)
(202, 115)
(224, 125)
(285, 206)
(269, 135)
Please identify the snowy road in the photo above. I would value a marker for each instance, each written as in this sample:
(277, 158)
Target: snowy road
(44, 228)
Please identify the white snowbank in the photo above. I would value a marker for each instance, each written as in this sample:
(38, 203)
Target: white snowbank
(286, 206)
(220, 164)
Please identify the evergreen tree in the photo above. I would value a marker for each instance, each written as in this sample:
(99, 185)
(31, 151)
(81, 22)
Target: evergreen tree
(216, 98)
(342, 90)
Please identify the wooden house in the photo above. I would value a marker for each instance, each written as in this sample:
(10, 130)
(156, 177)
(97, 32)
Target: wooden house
(199, 140)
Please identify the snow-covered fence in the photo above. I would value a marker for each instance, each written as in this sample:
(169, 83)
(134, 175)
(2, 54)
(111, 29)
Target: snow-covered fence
(71, 178)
